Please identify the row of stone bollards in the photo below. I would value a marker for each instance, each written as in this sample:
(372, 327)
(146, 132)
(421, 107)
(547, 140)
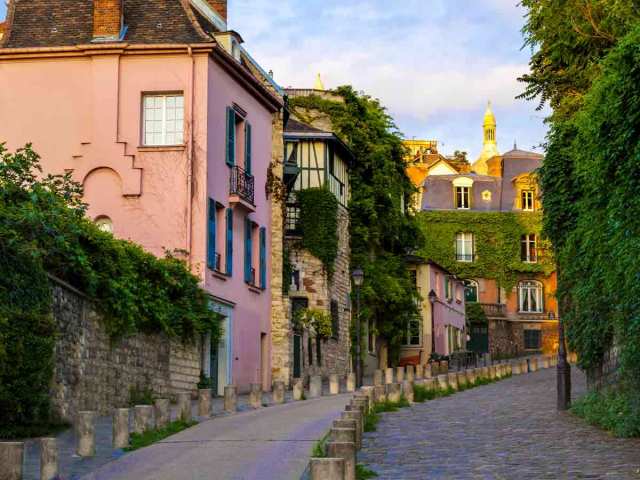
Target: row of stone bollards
(148, 417)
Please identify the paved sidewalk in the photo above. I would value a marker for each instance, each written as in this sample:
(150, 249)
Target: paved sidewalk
(507, 430)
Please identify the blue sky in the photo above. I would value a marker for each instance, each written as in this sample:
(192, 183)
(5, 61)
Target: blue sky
(433, 63)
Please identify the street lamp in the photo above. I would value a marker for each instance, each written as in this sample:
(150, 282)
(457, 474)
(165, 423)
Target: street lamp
(433, 297)
(358, 279)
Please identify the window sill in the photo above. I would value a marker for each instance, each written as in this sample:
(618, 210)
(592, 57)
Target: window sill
(219, 275)
(254, 289)
(161, 148)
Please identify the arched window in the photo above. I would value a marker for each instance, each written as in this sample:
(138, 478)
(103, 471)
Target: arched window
(530, 296)
(105, 224)
(470, 291)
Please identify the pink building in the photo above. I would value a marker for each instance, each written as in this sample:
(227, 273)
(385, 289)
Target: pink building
(153, 107)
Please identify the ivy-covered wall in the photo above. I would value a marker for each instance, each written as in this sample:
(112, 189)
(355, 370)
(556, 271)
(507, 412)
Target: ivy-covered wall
(497, 237)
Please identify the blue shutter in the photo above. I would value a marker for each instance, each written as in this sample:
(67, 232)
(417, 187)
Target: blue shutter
(211, 233)
(229, 255)
(231, 137)
(263, 258)
(247, 147)
(248, 251)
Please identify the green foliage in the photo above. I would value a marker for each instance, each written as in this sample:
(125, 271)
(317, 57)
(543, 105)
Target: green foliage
(319, 449)
(319, 224)
(204, 382)
(319, 320)
(497, 243)
(364, 473)
(141, 396)
(141, 440)
(615, 411)
(381, 233)
(474, 313)
(43, 230)
(371, 421)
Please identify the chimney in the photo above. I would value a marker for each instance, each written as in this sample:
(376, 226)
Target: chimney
(107, 20)
(220, 7)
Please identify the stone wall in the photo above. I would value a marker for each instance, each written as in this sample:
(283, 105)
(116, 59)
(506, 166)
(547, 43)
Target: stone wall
(507, 337)
(96, 372)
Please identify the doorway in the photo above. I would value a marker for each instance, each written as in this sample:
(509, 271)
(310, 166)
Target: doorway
(297, 355)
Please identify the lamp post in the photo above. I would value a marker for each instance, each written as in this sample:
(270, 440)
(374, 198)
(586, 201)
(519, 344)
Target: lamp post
(433, 296)
(564, 371)
(358, 278)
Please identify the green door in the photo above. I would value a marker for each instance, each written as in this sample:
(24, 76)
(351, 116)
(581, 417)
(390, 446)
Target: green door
(214, 367)
(479, 342)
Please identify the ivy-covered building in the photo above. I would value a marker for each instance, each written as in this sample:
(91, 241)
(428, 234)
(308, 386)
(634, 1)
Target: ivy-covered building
(316, 340)
(486, 229)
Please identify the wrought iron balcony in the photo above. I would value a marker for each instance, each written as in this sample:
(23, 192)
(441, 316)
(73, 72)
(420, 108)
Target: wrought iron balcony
(494, 309)
(242, 185)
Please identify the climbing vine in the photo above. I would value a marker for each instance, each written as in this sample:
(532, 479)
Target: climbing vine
(496, 242)
(318, 320)
(318, 224)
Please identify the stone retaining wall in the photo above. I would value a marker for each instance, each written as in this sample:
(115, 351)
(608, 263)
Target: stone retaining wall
(95, 372)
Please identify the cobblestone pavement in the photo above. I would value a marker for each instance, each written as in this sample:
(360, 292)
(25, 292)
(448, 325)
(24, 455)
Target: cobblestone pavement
(506, 430)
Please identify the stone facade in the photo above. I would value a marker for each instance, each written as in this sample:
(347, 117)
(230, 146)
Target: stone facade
(95, 372)
(507, 337)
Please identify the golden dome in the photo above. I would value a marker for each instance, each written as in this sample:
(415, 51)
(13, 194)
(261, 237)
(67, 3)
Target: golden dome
(319, 85)
(489, 117)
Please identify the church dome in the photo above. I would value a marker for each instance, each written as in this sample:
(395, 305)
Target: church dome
(489, 117)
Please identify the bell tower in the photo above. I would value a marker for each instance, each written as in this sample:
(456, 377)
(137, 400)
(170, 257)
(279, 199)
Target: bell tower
(489, 142)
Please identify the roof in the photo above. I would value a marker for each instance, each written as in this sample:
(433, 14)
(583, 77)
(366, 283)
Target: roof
(49, 23)
(516, 153)
(294, 126)
(296, 130)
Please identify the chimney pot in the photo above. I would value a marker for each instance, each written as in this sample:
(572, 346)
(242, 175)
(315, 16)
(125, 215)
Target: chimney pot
(107, 19)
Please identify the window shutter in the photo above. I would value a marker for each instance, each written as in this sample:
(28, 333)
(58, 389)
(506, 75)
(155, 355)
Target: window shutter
(263, 258)
(229, 255)
(211, 232)
(231, 137)
(247, 147)
(248, 251)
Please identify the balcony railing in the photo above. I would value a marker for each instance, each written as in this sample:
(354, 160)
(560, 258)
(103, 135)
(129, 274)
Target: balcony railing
(242, 184)
(535, 255)
(494, 309)
(465, 257)
(218, 263)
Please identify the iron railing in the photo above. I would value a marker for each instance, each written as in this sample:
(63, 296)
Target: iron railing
(242, 184)
(494, 309)
(465, 257)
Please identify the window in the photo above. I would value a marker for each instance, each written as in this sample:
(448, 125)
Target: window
(230, 150)
(530, 296)
(448, 286)
(527, 200)
(263, 258)
(163, 120)
(249, 270)
(335, 319)
(214, 257)
(413, 332)
(470, 291)
(463, 198)
(532, 339)
(229, 243)
(528, 250)
(104, 224)
(464, 247)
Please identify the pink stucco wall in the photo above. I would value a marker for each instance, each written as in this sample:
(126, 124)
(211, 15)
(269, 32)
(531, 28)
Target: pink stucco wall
(84, 114)
(446, 312)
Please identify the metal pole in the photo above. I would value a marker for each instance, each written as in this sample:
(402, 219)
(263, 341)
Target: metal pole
(564, 371)
(433, 330)
(358, 342)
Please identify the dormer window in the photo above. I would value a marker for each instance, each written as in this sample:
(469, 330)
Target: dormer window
(463, 198)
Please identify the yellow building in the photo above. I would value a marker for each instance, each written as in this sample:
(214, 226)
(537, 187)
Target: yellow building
(489, 142)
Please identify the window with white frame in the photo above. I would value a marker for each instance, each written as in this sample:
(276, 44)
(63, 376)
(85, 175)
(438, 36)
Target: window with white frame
(530, 296)
(464, 247)
(163, 119)
(463, 198)
(528, 248)
(470, 291)
(413, 332)
(527, 200)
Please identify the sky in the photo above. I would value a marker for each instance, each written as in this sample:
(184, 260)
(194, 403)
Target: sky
(433, 63)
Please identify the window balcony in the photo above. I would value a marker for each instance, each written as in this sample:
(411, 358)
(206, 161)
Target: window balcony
(242, 188)
(493, 310)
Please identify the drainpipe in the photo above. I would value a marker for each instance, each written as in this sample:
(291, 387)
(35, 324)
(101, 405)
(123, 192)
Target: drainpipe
(190, 150)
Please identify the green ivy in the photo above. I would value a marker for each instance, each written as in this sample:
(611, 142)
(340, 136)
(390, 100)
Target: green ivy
(474, 313)
(319, 224)
(497, 243)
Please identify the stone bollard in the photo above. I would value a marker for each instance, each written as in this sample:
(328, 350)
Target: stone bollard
(411, 373)
(419, 372)
(326, 468)
(508, 369)
(351, 382)
(49, 459)
(162, 412)
(204, 402)
(142, 418)
(545, 362)
(452, 377)
(484, 373)
(86, 433)
(230, 399)
(346, 451)
(399, 374)
(334, 384)
(277, 393)
(443, 382)
(347, 423)
(388, 376)
(393, 392)
(498, 371)
(184, 406)
(533, 364)
(255, 394)
(444, 367)
(429, 384)
(462, 379)
(11, 458)
(407, 390)
(524, 366)
(380, 394)
(121, 428)
(368, 392)
(492, 372)
(377, 378)
(427, 371)
(357, 416)
(341, 435)
(435, 369)
(515, 368)
(315, 386)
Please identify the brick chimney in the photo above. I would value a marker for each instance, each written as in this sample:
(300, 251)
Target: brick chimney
(107, 19)
(220, 7)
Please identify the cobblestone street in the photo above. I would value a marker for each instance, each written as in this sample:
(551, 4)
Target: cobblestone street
(507, 430)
